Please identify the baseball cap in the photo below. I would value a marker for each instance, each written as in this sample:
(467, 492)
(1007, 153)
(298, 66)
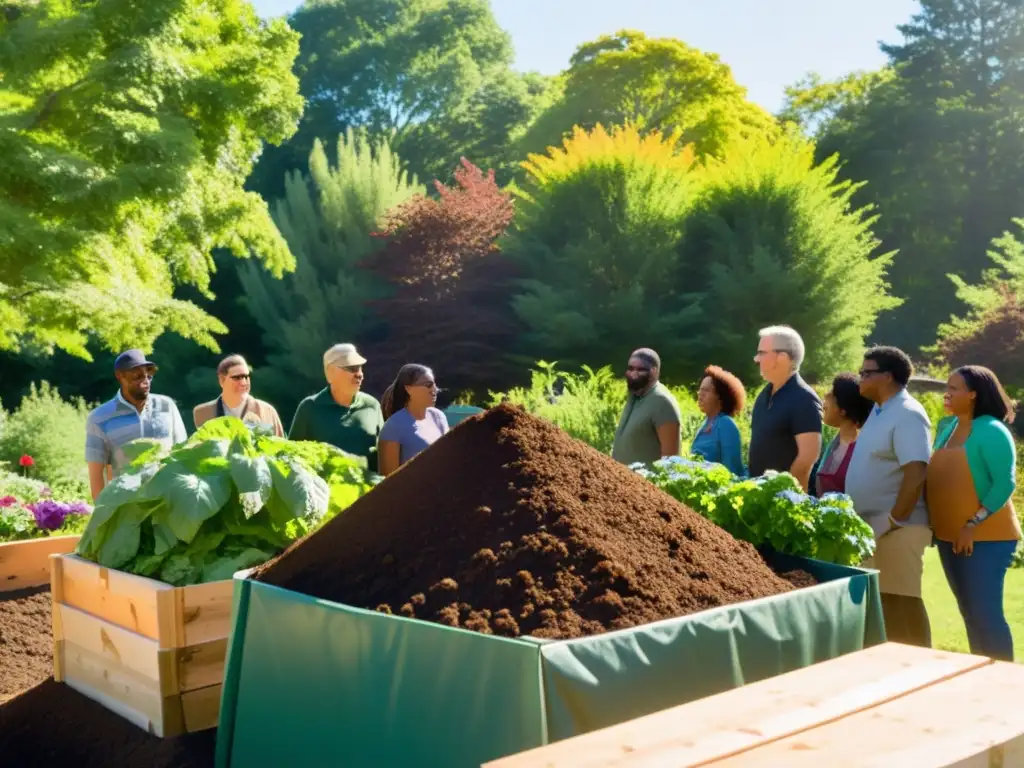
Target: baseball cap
(342, 356)
(132, 358)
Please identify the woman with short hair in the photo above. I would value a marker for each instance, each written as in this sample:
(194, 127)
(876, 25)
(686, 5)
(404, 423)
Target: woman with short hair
(235, 379)
(721, 396)
(412, 423)
(971, 480)
(845, 409)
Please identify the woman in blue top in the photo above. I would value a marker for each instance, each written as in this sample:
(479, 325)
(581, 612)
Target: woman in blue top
(720, 397)
(412, 423)
(971, 480)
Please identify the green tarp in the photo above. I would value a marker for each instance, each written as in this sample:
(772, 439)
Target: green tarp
(311, 682)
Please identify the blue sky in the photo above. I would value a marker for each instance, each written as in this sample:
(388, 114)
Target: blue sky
(768, 43)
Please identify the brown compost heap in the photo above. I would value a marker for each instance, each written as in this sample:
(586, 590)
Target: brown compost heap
(508, 526)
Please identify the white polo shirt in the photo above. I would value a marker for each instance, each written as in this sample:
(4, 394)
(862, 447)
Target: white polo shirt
(896, 434)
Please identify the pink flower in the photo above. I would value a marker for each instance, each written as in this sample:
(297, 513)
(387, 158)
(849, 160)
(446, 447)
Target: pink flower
(7, 501)
(27, 461)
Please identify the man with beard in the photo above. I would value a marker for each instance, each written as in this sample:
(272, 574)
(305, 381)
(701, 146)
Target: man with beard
(132, 414)
(649, 426)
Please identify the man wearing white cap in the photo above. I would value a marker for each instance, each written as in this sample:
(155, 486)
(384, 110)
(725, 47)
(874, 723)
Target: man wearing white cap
(340, 414)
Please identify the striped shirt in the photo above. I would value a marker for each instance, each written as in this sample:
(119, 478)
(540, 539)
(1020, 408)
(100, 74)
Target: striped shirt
(117, 422)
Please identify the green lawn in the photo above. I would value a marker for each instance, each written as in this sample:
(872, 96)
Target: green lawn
(947, 626)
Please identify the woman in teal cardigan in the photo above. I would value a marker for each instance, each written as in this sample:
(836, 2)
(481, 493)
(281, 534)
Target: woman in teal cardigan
(971, 480)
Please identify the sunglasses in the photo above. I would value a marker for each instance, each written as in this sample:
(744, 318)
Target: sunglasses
(351, 368)
(140, 375)
(241, 377)
(428, 385)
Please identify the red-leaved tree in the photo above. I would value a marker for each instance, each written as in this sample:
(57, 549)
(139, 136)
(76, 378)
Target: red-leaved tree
(996, 342)
(449, 306)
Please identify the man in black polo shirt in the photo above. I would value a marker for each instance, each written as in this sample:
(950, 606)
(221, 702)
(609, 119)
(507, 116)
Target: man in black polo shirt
(785, 429)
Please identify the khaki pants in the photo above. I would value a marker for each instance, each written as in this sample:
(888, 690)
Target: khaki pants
(899, 558)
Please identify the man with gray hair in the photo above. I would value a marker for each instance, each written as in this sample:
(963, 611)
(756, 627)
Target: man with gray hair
(341, 414)
(649, 426)
(785, 429)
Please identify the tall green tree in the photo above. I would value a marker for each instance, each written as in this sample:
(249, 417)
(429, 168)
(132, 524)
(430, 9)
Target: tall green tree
(597, 228)
(126, 133)
(941, 149)
(773, 238)
(432, 75)
(656, 84)
(328, 217)
(815, 104)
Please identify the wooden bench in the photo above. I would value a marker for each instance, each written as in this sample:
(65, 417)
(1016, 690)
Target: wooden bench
(891, 705)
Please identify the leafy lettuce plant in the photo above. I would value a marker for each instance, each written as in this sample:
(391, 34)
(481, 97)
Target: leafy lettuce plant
(771, 510)
(226, 500)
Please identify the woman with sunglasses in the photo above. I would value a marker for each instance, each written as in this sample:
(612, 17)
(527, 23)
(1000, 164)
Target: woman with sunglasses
(970, 486)
(412, 423)
(235, 379)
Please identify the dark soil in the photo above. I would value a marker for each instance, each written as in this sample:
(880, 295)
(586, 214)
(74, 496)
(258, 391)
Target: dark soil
(26, 640)
(54, 725)
(509, 526)
(799, 579)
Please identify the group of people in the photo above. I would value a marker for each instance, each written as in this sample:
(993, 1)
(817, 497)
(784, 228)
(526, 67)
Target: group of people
(954, 491)
(387, 433)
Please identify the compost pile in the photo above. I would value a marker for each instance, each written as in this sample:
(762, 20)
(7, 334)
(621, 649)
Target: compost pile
(54, 725)
(508, 526)
(26, 640)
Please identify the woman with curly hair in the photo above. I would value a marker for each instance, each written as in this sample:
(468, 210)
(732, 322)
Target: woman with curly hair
(845, 409)
(721, 396)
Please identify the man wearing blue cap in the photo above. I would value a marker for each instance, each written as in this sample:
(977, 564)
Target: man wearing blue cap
(132, 414)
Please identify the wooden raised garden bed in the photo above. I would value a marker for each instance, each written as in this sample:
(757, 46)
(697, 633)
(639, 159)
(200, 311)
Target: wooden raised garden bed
(149, 651)
(25, 564)
(891, 705)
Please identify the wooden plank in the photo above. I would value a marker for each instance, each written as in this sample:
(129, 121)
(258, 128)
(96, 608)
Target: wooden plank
(121, 598)
(206, 611)
(737, 720)
(972, 720)
(56, 597)
(201, 708)
(121, 690)
(200, 666)
(118, 646)
(25, 564)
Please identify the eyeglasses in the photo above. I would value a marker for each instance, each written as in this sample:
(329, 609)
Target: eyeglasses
(762, 352)
(241, 377)
(351, 368)
(867, 373)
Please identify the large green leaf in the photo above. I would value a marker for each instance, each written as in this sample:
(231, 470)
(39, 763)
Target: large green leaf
(122, 544)
(253, 480)
(298, 493)
(143, 451)
(189, 499)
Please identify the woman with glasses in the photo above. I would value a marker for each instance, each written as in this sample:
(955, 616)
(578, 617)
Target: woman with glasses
(413, 423)
(341, 414)
(970, 486)
(235, 379)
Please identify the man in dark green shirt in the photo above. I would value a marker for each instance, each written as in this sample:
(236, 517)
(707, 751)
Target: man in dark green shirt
(649, 426)
(341, 414)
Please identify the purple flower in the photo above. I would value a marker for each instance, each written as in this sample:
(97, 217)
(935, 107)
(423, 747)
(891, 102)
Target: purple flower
(49, 515)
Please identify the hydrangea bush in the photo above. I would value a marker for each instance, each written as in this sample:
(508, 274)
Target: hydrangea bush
(770, 510)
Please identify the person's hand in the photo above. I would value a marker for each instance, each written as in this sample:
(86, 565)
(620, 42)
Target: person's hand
(964, 544)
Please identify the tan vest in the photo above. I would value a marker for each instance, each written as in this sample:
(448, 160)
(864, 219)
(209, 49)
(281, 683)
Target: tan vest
(256, 411)
(952, 501)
